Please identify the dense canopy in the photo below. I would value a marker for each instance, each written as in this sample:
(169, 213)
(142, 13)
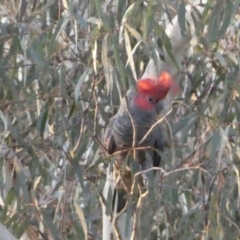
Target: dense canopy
(64, 68)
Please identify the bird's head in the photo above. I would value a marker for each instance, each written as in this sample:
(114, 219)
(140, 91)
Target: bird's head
(150, 90)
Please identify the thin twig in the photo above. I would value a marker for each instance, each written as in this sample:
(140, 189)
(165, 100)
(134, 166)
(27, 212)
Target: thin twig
(136, 215)
(193, 153)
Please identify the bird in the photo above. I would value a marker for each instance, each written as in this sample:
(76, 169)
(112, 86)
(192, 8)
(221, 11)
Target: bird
(127, 131)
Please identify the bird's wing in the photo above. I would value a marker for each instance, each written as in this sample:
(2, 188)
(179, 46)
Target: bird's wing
(108, 140)
(120, 193)
(158, 145)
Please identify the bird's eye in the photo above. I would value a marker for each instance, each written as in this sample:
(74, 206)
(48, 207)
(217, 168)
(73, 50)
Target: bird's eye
(151, 99)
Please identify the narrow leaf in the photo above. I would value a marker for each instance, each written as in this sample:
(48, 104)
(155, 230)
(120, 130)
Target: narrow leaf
(42, 120)
(106, 64)
(49, 223)
(129, 53)
(79, 85)
(181, 18)
(228, 10)
(82, 219)
(102, 15)
(60, 26)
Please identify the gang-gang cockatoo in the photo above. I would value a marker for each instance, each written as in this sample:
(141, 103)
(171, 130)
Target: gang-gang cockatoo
(140, 108)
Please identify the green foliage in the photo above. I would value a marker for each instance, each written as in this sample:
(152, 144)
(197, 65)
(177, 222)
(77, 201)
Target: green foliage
(64, 66)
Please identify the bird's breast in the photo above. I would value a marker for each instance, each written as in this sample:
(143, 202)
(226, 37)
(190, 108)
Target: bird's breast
(124, 132)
